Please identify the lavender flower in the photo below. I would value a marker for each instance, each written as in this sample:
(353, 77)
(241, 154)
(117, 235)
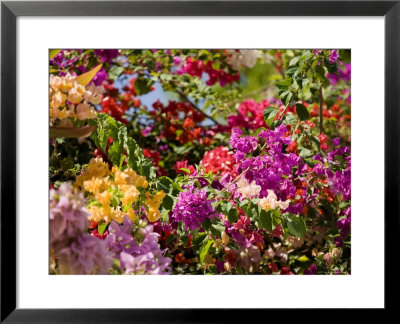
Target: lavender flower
(139, 252)
(85, 255)
(68, 215)
(77, 251)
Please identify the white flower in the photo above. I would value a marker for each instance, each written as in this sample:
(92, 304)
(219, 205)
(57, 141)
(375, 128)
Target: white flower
(85, 111)
(93, 94)
(244, 58)
(55, 82)
(272, 202)
(246, 189)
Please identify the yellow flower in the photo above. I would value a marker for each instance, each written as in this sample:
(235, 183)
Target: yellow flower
(130, 194)
(131, 214)
(129, 176)
(153, 204)
(103, 197)
(118, 215)
(95, 169)
(57, 100)
(74, 96)
(96, 213)
(95, 184)
(67, 83)
(96, 180)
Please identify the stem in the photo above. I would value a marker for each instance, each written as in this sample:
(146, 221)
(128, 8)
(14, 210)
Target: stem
(197, 108)
(238, 177)
(283, 114)
(185, 98)
(321, 116)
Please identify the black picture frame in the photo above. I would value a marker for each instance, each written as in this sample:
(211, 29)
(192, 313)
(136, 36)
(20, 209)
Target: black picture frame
(10, 10)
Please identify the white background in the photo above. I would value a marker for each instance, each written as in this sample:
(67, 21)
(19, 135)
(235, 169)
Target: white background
(364, 288)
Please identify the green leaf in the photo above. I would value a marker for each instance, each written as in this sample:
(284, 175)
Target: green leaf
(294, 61)
(143, 85)
(252, 210)
(269, 115)
(206, 224)
(170, 238)
(138, 162)
(53, 53)
(164, 184)
(305, 153)
(275, 124)
(284, 84)
(265, 220)
(168, 202)
(296, 226)
(115, 72)
(217, 229)
(233, 216)
(185, 170)
(303, 258)
(290, 119)
(204, 250)
(109, 127)
(99, 136)
(101, 227)
(302, 112)
(286, 96)
(200, 239)
(320, 72)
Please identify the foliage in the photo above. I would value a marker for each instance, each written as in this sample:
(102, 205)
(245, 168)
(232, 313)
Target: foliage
(213, 161)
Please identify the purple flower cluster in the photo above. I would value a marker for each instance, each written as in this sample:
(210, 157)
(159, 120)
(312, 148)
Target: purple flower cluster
(107, 55)
(192, 208)
(139, 253)
(100, 77)
(334, 56)
(243, 145)
(61, 61)
(77, 251)
(343, 73)
(311, 270)
(340, 180)
(272, 170)
(343, 225)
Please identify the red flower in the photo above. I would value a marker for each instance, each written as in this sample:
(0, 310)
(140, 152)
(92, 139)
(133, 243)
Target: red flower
(273, 267)
(286, 271)
(292, 147)
(323, 141)
(219, 161)
(184, 165)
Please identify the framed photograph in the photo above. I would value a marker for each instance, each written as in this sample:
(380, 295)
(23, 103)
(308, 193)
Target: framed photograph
(223, 155)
